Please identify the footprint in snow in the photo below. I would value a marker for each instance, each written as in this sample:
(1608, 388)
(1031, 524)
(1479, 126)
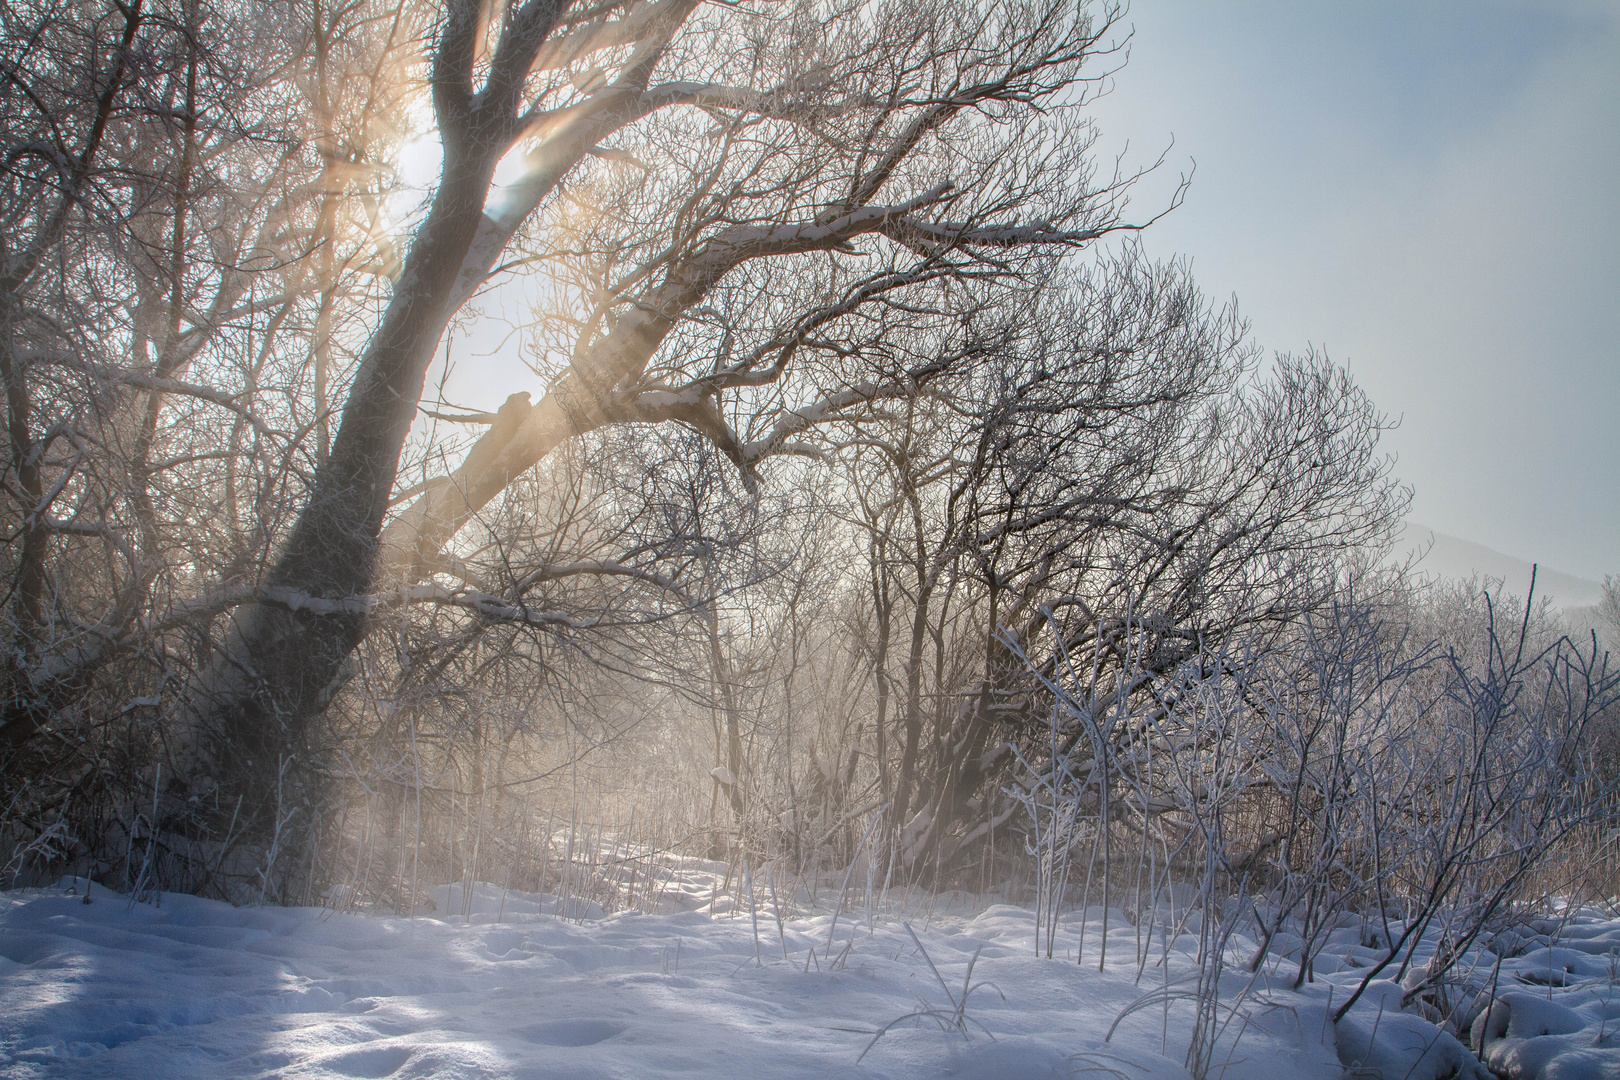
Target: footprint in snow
(371, 1062)
(572, 1032)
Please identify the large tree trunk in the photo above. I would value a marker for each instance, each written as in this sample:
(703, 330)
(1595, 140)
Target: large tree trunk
(246, 712)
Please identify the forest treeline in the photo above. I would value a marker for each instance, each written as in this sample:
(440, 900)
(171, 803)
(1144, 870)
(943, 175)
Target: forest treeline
(868, 492)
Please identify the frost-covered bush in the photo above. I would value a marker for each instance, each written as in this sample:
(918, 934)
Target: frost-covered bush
(1425, 791)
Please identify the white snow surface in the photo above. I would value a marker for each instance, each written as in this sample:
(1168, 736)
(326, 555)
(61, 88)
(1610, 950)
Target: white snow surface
(197, 988)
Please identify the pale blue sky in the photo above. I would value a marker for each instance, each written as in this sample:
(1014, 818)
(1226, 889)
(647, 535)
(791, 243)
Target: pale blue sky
(1427, 191)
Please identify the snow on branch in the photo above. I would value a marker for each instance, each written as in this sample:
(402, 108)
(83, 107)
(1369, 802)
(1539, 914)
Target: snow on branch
(480, 603)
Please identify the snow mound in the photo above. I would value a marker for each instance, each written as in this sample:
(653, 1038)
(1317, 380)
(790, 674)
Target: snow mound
(1404, 1045)
(1526, 1037)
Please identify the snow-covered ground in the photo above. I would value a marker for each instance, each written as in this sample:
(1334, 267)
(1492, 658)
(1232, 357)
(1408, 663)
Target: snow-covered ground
(196, 988)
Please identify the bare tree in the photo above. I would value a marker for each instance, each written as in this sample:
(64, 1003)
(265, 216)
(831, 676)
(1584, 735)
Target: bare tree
(784, 139)
(1120, 465)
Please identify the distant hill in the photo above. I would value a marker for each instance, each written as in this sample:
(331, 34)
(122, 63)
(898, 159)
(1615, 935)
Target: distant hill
(1453, 557)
